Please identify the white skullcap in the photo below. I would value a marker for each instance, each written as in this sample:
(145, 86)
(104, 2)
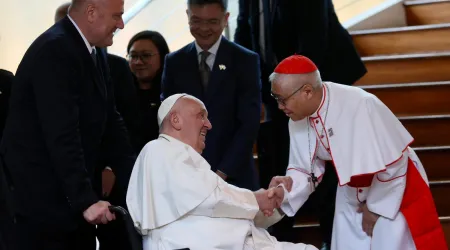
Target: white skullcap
(166, 106)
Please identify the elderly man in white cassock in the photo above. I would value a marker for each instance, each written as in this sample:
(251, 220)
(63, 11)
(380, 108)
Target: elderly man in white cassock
(176, 201)
(383, 200)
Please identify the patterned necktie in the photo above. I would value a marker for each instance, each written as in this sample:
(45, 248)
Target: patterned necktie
(204, 68)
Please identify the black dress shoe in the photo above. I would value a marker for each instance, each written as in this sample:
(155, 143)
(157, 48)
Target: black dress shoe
(325, 246)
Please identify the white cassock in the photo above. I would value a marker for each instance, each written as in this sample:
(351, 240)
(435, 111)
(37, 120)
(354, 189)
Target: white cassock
(370, 151)
(176, 201)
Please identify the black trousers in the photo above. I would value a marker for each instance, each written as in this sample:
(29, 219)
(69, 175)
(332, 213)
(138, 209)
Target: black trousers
(31, 235)
(326, 201)
(113, 236)
(6, 210)
(6, 234)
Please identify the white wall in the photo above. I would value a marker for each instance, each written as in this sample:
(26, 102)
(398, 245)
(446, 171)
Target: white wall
(22, 21)
(388, 14)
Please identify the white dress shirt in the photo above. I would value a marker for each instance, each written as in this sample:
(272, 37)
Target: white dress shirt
(213, 50)
(88, 45)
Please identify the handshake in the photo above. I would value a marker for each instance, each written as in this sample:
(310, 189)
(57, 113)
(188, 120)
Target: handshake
(272, 198)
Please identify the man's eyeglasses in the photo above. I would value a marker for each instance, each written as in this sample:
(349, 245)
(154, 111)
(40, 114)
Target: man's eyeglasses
(283, 101)
(143, 57)
(196, 22)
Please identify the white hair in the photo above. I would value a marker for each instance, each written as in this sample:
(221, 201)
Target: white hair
(317, 83)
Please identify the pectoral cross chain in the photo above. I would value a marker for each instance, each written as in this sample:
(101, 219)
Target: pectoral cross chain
(314, 180)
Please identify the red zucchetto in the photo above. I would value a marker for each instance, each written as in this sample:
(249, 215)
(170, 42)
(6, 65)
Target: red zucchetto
(295, 64)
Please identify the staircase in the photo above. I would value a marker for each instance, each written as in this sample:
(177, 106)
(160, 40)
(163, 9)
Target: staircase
(409, 70)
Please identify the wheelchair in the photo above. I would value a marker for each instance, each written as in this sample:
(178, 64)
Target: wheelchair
(133, 235)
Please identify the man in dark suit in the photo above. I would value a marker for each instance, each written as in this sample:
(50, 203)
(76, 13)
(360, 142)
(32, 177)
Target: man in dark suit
(226, 77)
(125, 94)
(277, 29)
(62, 121)
(110, 235)
(124, 88)
(6, 79)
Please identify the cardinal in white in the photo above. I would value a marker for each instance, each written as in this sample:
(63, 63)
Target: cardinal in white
(176, 201)
(383, 201)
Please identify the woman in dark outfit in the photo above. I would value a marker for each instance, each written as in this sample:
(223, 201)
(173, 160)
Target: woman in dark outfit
(146, 54)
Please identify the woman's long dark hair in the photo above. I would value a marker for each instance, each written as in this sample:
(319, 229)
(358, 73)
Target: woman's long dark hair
(163, 50)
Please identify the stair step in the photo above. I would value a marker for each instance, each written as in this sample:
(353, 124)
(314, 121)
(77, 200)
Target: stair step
(307, 235)
(414, 99)
(427, 12)
(445, 222)
(428, 130)
(436, 161)
(440, 191)
(306, 220)
(312, 234)
(431, 143)
(307, 215)
(402, 40)
(410, 68)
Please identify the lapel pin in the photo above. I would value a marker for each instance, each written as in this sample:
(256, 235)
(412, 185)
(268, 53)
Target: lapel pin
(330, 132)
(222, 67)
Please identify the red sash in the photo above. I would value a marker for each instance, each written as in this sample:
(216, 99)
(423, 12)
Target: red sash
(420, 212)
(417, 207)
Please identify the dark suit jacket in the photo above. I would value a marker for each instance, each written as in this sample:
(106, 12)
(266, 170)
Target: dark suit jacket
(6, 222)
(138, 107)
(6, 79)
(62, 119)
(309, 28)
(126, 96)
(233, 103)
